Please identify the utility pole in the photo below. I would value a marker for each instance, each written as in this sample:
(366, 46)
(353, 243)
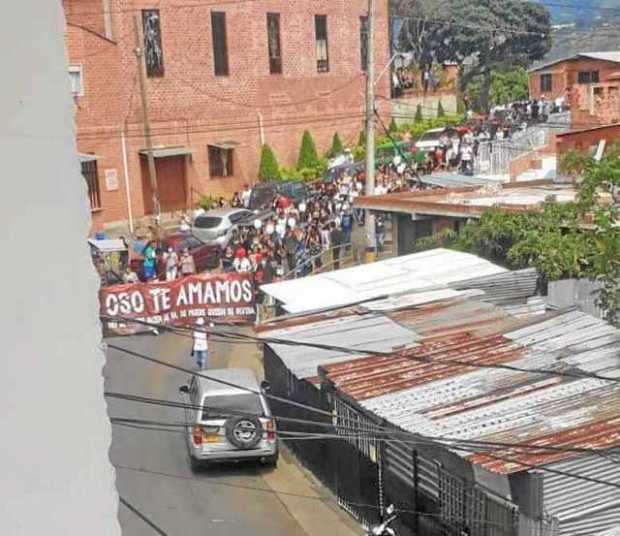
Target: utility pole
(147, 125)
(370, 131)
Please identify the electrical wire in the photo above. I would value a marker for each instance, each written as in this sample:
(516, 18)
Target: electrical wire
(357, 351)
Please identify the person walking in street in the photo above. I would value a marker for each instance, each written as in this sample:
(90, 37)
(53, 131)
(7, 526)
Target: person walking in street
(335, 239)
(171, 259)
(150, 258)
(200, 347)
(188, 265)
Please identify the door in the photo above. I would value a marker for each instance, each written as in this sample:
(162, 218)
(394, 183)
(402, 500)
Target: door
(171, 183)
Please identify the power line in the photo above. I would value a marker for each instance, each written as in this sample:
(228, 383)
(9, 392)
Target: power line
(143, 517)
(357, 351)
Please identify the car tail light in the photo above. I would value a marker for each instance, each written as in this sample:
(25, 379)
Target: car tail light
(271, 430)
(197, 435)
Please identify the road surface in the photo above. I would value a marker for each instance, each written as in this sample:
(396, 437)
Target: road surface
(152, 467)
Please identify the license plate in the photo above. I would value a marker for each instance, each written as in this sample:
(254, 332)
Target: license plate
(212, 438)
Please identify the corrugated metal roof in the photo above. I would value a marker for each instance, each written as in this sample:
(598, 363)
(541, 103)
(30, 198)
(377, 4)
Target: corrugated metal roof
(423, 271)
(370, 332)
(453, 400)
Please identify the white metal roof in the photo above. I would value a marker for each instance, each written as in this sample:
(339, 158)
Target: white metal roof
(428, 270)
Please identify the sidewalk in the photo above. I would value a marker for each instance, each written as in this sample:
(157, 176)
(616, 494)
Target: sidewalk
(308, 502)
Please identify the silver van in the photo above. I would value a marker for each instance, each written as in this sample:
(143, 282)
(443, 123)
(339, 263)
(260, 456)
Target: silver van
(226, 423)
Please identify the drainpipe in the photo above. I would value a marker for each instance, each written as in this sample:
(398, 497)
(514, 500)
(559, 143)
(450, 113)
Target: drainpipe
(126, 174)
(107, 19)
(261, 129)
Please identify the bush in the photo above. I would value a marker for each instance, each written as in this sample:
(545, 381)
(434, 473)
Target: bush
(207, 202)
(268, 168)
(336, 148)
(460, 106)
(418, 114)
(307, 154)
(440, 110)
(393, 126)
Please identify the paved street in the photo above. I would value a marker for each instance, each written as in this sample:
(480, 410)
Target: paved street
(153, 471)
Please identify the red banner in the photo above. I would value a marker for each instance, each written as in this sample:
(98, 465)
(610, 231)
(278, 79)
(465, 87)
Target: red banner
(215, 297)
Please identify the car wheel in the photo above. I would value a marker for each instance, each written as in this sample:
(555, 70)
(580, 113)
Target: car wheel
(243, 432)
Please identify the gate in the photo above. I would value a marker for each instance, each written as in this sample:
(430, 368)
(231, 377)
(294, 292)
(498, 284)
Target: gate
(359, 479)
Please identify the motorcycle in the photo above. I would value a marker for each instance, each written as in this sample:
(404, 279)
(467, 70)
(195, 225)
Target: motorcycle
(384, 529)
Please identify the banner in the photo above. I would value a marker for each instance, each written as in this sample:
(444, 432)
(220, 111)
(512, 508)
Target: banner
(215, 297)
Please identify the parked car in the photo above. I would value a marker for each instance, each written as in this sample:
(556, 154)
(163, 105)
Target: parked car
(215, 227)
(205, 256)
(228, 424)
(429, 141)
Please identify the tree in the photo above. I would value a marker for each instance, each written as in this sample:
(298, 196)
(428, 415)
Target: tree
(393, 128)
(361, 140)
(418, 114)
(336, 148)
(489, 34)
(268, 168)
(308, 157)
(440, 110)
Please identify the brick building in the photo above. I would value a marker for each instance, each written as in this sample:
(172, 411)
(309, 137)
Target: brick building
(589, 82)
(221, 79)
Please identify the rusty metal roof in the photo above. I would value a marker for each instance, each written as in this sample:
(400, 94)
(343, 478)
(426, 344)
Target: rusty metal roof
(471, 201)
(442, 399)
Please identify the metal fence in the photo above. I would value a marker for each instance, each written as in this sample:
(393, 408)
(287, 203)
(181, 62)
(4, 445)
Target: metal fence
(367, 473)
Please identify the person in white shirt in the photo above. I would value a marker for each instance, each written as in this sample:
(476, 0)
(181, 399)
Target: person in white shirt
(242, 264)
(171, 258)
(200, 346)
(245, 196)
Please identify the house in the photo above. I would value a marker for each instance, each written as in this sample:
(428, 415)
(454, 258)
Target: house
(469, 419)
(421, 214)
(222, 78)
(589, 82)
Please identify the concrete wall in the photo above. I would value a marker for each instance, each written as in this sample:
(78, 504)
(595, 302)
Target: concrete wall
(404, 109)
(579, 293)
(57, 479)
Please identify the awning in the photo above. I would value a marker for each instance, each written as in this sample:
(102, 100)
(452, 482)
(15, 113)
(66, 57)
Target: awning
(225, 144)
(87, 157)
(109, 245)
(165, 152)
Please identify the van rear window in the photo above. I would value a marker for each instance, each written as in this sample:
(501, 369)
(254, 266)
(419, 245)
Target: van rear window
(222, 406)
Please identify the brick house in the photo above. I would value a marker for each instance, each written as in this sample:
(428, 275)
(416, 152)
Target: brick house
(221, 79)
(589, 82)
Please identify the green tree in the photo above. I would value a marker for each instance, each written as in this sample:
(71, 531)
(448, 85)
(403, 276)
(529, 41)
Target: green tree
(418, 114)
(268, 168)
(440, 110)
(336, 148)
(486, 35)
(308, 157)
(393, 126)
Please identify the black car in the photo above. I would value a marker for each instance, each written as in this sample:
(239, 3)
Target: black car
(264, 193)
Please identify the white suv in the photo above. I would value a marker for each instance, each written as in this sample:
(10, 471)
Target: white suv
(228, 421)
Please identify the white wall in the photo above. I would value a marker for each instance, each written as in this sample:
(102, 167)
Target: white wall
(55, 475)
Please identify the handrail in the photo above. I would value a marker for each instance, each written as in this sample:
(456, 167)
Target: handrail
(310, 261)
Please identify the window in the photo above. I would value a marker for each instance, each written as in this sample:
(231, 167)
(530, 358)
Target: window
(364, 42)
(322, 50)
(220, 46)
(273, 38)
(587, 77)
(153, 52)
(224, 406)
(75, 79)
(220, 162)
(89, 171)
(546, 81)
